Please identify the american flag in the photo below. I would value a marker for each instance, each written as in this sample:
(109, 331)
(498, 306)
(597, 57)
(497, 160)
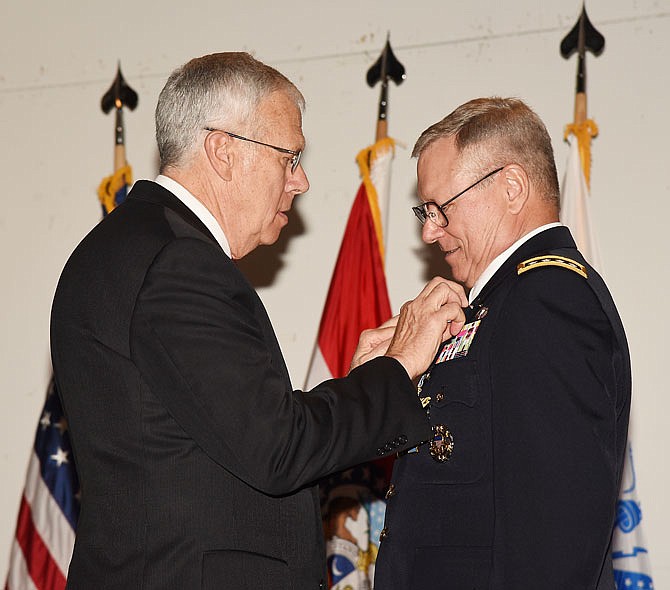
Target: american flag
(49, 508)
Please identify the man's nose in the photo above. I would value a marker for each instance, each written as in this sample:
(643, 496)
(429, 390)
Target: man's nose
(299, 183)
(431, 232)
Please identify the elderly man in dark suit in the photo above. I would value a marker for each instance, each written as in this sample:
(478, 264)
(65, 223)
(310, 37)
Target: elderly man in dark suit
(529, 404)
(196, 457)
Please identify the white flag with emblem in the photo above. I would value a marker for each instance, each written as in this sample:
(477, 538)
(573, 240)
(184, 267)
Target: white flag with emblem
(632, 569)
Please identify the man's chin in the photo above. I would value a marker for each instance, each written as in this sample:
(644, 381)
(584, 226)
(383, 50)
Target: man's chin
(458, 275)
(272, 234)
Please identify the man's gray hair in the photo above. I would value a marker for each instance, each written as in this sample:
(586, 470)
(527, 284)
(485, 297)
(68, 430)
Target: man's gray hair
(221, 90)
(495, 132)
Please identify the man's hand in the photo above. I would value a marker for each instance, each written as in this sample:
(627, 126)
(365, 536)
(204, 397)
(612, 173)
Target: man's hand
(434, 316)
(413, 337)
(374, 342)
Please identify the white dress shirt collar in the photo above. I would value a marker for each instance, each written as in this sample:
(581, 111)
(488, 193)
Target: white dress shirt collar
(499, 260)
(200, 211)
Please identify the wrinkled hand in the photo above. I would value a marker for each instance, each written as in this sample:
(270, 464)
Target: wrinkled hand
(374, 342)
(424, 323)
(413, 336)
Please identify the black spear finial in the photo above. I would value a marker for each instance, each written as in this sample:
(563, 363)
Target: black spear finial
(385, 68)
(118, 96)
(112, 189)
(581, 38)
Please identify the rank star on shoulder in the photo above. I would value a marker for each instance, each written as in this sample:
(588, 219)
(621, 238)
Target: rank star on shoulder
(60, 456)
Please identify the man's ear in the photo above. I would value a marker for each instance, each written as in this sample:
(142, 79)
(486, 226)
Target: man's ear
(517, 188)
(220, 153)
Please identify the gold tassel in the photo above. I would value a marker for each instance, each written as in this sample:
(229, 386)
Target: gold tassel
(584, 132)
(111, 184)
(365, 158)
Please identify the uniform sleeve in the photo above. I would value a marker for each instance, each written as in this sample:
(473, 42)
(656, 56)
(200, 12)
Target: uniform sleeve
(554, 390)
(204, 347)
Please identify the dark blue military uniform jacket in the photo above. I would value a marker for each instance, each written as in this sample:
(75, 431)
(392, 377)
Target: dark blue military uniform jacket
(530, 411)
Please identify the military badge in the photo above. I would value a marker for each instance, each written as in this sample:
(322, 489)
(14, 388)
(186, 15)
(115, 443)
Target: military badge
(442, 444)
(460, 344)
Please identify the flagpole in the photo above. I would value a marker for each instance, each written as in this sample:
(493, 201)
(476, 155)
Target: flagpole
(629, 554)
(112, 189)
(583, 37)
(352, 501)
(387, 67)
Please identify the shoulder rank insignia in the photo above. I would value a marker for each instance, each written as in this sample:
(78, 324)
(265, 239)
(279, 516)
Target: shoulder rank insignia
(551, 260)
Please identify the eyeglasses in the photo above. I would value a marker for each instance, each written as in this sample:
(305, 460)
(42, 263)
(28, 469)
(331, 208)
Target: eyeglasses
(295, 160)
(431, 210)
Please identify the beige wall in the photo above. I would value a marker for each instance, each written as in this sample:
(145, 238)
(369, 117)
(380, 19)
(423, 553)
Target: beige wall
(57, 59)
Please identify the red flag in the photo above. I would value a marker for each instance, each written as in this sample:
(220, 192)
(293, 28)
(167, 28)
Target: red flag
(352, 502)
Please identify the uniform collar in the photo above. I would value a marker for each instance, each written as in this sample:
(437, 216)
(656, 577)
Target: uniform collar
(549, 239)
(499, 260)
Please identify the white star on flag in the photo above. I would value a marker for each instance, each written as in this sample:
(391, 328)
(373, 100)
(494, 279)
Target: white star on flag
(45, 421)
(60, 456)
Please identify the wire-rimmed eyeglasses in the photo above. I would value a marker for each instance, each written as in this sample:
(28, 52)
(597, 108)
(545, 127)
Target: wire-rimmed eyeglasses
(295, 160)
(435, 213)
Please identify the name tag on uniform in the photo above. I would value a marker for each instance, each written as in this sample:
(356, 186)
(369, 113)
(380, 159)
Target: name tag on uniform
(460, 344)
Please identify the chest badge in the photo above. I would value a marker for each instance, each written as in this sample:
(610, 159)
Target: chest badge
(460, 344)
(442, 445)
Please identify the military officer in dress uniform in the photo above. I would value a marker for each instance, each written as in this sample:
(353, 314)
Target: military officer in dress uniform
(529, 404)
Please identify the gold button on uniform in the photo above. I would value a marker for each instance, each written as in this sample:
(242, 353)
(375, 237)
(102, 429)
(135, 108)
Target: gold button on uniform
(390, 492)
(383, 534)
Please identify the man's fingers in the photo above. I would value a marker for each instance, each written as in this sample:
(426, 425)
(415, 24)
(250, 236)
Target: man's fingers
(374, 335)
(373, 343)
(379, 350)
(459, 292)
(391, 322)
(442, 291)
(454, 317)
(372, 348)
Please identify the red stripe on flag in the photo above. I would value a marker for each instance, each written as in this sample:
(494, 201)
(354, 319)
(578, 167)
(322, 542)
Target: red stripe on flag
(357, 297)
(43, 570)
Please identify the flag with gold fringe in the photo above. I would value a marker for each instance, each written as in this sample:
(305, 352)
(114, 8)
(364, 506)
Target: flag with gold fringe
(352, 501)
(629, 551)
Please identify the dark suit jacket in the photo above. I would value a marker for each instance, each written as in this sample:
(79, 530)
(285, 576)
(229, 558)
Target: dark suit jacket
(538, 412)
(196, 458)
